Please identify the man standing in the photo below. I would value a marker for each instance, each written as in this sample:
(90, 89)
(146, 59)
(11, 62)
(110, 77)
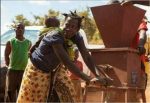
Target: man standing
(139, 43)
(16, 58)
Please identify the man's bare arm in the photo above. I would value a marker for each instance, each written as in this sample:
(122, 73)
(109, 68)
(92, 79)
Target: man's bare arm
(7, 53)
(142, 41)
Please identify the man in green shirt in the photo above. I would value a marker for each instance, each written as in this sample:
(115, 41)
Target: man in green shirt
(16, 58)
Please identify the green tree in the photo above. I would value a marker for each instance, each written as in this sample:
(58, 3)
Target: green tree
(21, 18)
(53, 13)
(89, 26)
(36, 20)
(39, 20)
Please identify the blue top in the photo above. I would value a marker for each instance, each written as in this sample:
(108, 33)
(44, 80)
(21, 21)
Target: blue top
(44, 57)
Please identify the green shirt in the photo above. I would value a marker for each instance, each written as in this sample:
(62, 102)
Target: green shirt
(19, 54)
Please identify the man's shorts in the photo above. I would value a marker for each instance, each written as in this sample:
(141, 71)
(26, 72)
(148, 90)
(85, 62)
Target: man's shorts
(13, 79)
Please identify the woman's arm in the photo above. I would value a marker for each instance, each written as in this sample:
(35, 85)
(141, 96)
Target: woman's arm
(64, 58)
(87, 57)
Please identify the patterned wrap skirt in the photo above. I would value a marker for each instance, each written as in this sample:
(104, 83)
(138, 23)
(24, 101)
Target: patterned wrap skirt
(78, 90)
(36, 84)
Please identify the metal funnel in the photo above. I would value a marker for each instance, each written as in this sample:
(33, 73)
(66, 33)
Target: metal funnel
(117, 24)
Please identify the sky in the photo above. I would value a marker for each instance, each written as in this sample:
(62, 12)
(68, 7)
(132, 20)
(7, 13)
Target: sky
(11, 8)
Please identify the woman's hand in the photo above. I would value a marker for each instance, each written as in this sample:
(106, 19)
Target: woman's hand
(102, 81)
(126, 3)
